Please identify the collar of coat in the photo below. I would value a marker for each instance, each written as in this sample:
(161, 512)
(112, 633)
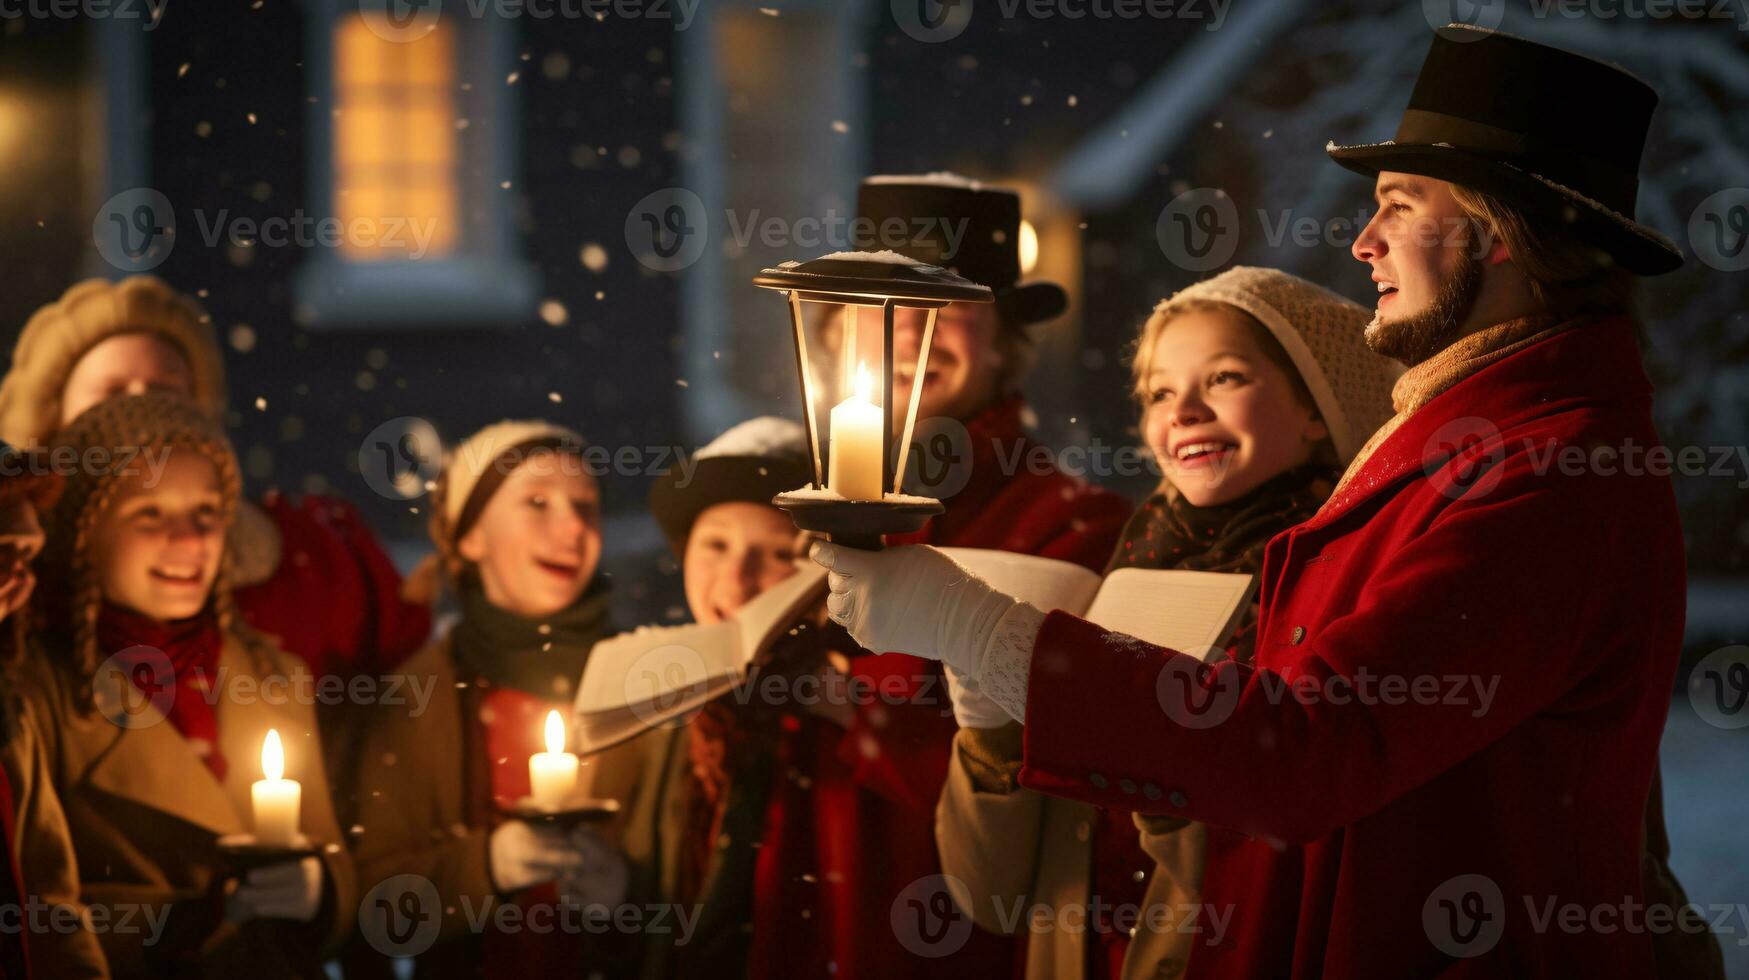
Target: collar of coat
(1596, 365)
(141, 757)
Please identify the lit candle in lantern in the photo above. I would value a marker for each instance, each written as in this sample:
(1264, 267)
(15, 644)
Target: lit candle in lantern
(552, 775)
(276, 798)
(855, 445)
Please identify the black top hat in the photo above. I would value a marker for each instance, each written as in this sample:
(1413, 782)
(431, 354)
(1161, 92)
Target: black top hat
(964, 226)
(1554, 133)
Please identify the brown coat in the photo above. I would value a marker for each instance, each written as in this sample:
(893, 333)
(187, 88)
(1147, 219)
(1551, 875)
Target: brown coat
(410, 815)
(145, 815)
(49, 870)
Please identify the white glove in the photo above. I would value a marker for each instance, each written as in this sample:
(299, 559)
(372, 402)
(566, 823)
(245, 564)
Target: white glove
(292, 890)
(972, 708)
(522, 855)
(915, 600)
(601, 881)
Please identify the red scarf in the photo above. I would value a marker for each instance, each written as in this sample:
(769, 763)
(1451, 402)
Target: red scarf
(192, 646)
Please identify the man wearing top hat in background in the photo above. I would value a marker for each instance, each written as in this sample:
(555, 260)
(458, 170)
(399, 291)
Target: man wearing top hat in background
(895, 751)
(995, 497)
(1365, 833)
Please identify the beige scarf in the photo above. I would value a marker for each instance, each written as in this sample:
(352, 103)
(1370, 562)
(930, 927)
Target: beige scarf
(1421, 383)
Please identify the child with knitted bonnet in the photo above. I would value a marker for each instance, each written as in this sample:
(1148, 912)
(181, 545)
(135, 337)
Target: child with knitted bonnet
(307, 572)
(1255, 387)
(156, 702)
(516, 521)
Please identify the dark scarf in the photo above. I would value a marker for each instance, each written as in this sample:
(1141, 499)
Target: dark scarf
(192, 646)
(541, 657)
(1229, 537)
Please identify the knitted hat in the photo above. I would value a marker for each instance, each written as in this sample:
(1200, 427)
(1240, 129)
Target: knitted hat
(472, 472)
(1325, 337)
(751, 463)
(88, 313)
(108, 442)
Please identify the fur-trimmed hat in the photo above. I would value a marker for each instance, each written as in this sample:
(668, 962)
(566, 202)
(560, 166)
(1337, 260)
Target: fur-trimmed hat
(1323, 334)
(88, 313)
(751, 463)
(107, 443)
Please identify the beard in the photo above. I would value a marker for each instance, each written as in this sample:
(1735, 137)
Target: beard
(1419, 336)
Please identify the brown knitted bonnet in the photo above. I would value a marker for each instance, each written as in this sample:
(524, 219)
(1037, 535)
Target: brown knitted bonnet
(96, 453)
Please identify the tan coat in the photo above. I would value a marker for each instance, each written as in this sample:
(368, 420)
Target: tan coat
(410, 813)
(1023, 850)
(45, 854)
(145, 814)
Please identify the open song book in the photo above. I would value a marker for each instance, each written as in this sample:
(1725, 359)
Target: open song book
(657, 674)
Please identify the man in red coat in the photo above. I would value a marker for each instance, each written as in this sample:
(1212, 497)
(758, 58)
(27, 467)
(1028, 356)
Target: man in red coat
(1439, 761)
(859, 816)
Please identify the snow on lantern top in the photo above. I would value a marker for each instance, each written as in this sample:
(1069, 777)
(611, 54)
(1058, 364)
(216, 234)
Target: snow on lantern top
(872, 279)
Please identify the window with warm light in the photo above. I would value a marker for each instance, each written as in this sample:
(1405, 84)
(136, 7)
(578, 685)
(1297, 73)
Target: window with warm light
(396, 187)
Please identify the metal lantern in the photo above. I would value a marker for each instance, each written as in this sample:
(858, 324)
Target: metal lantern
(846, 368)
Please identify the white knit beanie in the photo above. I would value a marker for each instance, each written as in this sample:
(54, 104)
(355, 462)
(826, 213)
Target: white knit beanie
(463, 468)
(465, 464)
(1325, 337)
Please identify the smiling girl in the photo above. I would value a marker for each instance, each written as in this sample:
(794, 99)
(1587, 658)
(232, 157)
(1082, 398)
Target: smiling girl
(155, 702)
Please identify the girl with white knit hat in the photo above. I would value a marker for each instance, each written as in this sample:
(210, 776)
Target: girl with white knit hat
(1255, 388)
(516, 521)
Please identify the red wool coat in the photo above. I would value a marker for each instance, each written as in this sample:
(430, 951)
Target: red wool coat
(852, 820)
(1366, 834)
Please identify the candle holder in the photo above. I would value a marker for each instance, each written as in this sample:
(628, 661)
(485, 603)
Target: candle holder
(573, 812)
(242, 853)
(855, 496)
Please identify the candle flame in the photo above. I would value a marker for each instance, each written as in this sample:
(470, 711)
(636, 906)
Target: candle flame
(862, 381)
(273, 756)
(555, 733)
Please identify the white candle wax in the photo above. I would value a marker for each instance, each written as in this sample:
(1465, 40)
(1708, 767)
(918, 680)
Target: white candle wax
(276, 798)
(854, 447)
(552, 775)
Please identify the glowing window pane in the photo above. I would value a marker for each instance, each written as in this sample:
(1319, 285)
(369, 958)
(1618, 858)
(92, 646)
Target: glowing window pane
(395, 142)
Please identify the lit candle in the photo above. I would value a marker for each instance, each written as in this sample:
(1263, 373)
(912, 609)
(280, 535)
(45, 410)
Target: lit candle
(552, 775)
(276, 798)
(855, 447)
